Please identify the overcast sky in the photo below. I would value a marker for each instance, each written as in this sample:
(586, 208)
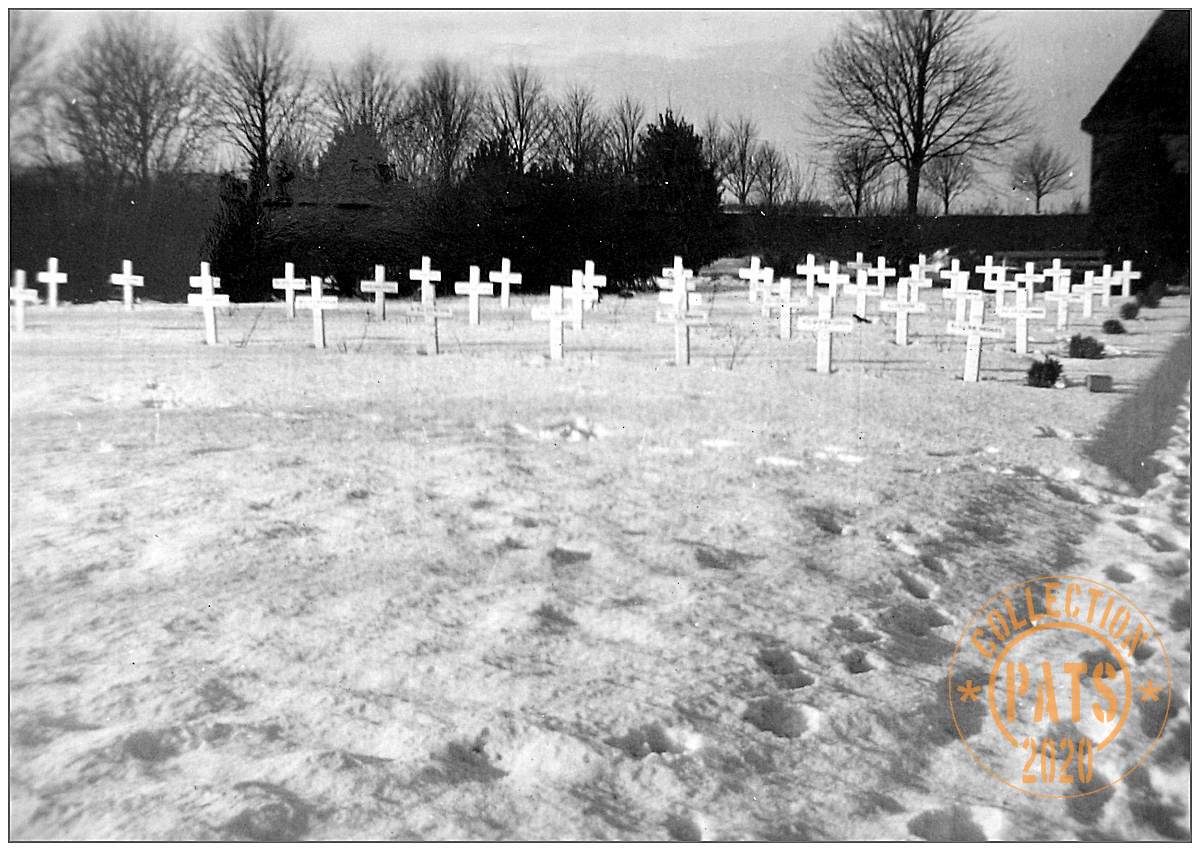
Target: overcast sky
(760, 64)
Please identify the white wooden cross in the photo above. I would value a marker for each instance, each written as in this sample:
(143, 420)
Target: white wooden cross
(1062, 297)
(557, 315)
(810, 268)
(431, 313)
(594, 283)
(683, 309)
(1087, 292)
(207, 300)
(428, 276)
(19, 296)
(1127, 276)
(959, 290)
(995, 281)
(380, 288)
(858, 263)
(128, 281)
(1021, 312)
(975, 331)
(290, 285)
(577, 294)
(506, 278)
(861, 288)
(751, 274)
(825, 326)
(766, 286)
(473, 289)
(787, 305)
(1054, 273)
(922, 268)
(1106, 280)
(991, 271)
(318, 303)
(833, 279)
(881, 273)
(908, 300)
(1028, 281)
(52, 278)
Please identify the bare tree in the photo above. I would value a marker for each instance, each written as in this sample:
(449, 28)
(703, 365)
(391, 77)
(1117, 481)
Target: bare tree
(446, 115)
(801, 189)
(919, 84)
(857, 168)
(580, 131)
(134, 101)
(519, 114)
(948, 177)
(1040, 171)
(716, 145)
(260, 85)
(774, 174)
(742, 163)
(626, 129)
(369, 93)
(29, 43)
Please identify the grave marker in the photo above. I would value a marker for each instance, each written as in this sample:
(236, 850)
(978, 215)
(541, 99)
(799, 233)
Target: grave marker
(428, 276)
(787, 306)
(995, 281)
(19, 296)
(881, 272)
(380, 288)
(429, 311)
(833, 279)
(824, 326)
(975, 331)
(751, 275)
(858, 264)
(767, 288)
(1028, 281)
(506, 278)
(1126, 276)
(1106, 280)
(557, 315)
(991, 271)
(1062, 297)
(290, 285)
(127, 281)
(921, 269)
(207, 300)
(809, 270)
(593, 282)
(861, 289)
(473, 289)
(684, 308)
(1021, 312)
(1056, 272)
(577, 294)
(318, 303)
(52, 278)
(907, 301)
(1087, 292)
(959, 290)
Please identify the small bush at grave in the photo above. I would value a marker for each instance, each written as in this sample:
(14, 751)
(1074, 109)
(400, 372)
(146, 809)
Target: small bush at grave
(1112, 326)
(1044, 373)
(1088, 348)
(1151, 296)
(1129, 310)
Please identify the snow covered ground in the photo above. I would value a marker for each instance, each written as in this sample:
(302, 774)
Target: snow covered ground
(263, 591)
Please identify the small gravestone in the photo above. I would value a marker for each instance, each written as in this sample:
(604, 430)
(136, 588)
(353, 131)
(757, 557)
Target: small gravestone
(318, 303)
(290, 285)
(127, 281)
(1099, 383)
(207, 300)
(975, 331)
(824, 326)
(1061, 297)
(959, 290)
(556, 315)
(380, 288)
(507, 279)
(52, 278)
(881, 272)
(751, 274)
(19, 296)
(428, 277)
(833, 278)
(473, 289)
(908, 300)
(429, 311)
(1087, 292)
(809, 270)
(787, 306)
(1126, 276)
(1021, 312)
(682, 308)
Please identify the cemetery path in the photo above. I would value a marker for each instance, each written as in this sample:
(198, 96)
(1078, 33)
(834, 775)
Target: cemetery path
(273, 593)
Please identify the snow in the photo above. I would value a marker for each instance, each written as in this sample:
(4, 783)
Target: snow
(263, 591)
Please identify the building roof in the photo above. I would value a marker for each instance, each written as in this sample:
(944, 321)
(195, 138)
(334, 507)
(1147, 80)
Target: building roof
(1152, 88)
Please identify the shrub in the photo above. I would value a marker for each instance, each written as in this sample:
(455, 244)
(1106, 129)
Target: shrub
(1129, 310)
(1151, 296)
(1112, 326)
(1043, 373)
(1088, 348)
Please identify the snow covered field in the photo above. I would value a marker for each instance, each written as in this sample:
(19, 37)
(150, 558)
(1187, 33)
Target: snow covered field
(263, 591)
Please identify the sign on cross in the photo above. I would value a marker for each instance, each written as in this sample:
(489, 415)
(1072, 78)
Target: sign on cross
(506, 278)
(380, 288)
(908, 300)
(473, 289)
(975, 331)
(318, 303)
(19, 296)
(824, 326)
(557, 315)
(1127, 276)
(207, 300)
(683, 309)
(428, 276)
(959, 290)
(809, 270)
(1021, 312)
(52, 278)
(127, 280)
(290, 285)
(833, 279)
